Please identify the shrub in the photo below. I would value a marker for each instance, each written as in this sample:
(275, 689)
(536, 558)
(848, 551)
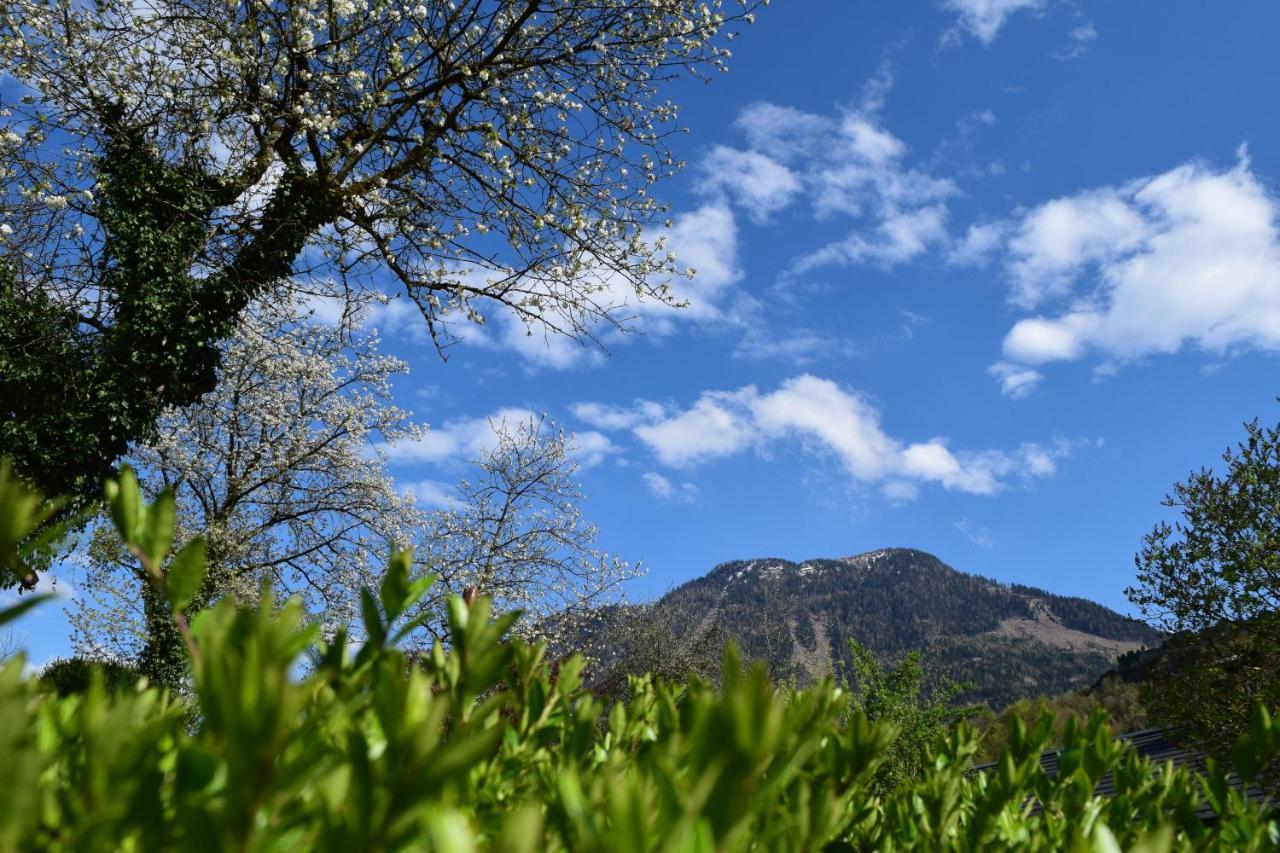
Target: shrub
(897, 696)
(480, 744)
(67, 676)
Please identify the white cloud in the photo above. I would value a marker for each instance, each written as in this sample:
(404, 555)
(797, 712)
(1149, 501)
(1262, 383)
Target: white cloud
(590, 448)
(899, 238)
(1078, 41)
(983, 19)
(467, 439)
(820, 415)
(981, 472)
(1040, 462)
(47, 583)
(846, 165)
(976, 535)
(712, 427)
(980, 242)
(784, 133)
(663, 489)
(56, 586)
(753, 180)
(933, 461)
(614, 418)
(398, 316)
(431, 494)
(870, 143)
(537, 344)
(1016, 381)
(706, 240)
(658, 485)
(1056, 240)
(1037, 340)
(962, 153)
(325, 310)
(900, 492)
(1187, 258)
(460, 440)
(865, 176)
(814, 408)
(796, 346)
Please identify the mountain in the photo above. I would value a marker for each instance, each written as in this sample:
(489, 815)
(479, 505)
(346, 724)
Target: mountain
(1008, 641)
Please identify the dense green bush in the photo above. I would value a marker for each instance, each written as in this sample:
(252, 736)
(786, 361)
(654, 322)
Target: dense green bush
(897, 696)
(74, 675)
(287, 741)
(1121, 703)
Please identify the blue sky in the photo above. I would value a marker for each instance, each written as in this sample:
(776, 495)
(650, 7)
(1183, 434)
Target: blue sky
(980, 277)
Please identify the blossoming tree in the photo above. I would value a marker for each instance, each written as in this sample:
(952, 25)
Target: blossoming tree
(277, 469)
(167, 162)
(515, 532)
(280, 470)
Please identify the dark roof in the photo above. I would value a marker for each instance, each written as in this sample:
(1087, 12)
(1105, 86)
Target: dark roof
(1159, 746)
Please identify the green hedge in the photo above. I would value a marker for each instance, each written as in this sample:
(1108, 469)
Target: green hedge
(488, 745)
(66, 676)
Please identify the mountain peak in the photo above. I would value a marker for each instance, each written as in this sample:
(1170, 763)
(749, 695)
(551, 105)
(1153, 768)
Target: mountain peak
(871, 557)
(1011, 641)
(777, 567)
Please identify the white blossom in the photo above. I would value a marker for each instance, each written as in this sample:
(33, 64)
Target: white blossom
(276, 468)
(515, 532)
(410, 118)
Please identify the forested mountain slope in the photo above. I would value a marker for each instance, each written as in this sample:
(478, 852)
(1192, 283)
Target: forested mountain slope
(1009, 641)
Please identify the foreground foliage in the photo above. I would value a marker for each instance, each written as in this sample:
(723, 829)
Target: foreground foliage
(486, 746)
(1120, 702)
(289, 741)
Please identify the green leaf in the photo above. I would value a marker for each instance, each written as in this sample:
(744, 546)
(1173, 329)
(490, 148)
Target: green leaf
(1260, 723)
(1104, 841)
(459, 615)
(417, 589)
(449, 832)
(157, 538)
(1246, 760)
(195, 769)
(185, 575)
(22, 512)
(10, 613)
(372, 619)
(124, 498)
(395, 588)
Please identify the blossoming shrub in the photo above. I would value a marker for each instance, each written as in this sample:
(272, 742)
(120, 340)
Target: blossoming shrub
(287, 741)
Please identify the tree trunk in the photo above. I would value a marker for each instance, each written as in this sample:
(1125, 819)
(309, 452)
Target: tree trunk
(164, 657)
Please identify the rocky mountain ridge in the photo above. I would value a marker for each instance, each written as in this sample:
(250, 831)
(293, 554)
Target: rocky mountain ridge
(1008, 641)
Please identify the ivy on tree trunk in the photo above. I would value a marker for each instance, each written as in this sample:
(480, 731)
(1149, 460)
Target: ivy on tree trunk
(74, 395)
